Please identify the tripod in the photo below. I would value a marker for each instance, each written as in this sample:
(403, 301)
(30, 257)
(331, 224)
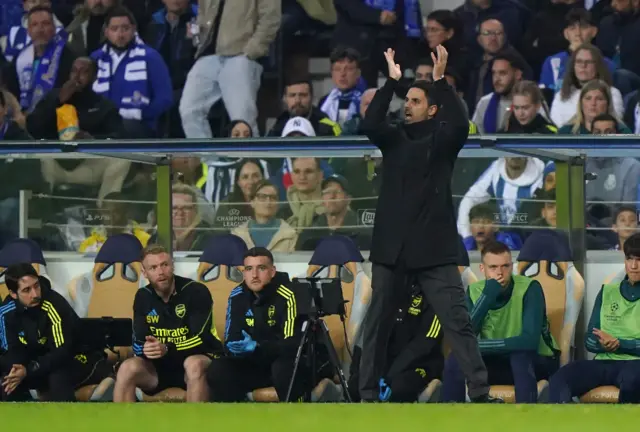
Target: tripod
(314, 331)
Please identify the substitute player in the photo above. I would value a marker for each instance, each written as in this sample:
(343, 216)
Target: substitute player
(37, 328)
(174, 337)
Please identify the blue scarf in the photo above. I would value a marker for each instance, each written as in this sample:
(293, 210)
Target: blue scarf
(412, 24)
(332, 103)
(491, 115)
(131, 92)
(35, 84)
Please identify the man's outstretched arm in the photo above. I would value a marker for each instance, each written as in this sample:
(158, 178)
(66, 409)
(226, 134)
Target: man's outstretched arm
(375, 123)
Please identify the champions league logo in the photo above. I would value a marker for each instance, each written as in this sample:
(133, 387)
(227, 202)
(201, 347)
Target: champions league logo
(232, 219)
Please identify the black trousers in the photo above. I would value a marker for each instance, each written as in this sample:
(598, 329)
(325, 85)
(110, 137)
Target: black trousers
(60, 384)
(231, 378)
(442, 288)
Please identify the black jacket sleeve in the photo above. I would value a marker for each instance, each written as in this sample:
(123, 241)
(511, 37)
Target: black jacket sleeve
(375, 124)
(42, 122)
(235, 321)
(140, 326)
(200, 338)
(358, 11)
(62, 320)
(112, 126)
(453, 118)
(14, 351)
(288, 327)
(426, 343)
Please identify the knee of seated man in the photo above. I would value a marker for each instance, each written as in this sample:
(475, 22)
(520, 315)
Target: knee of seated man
(629, 376)
(195, 367)
(130, 368)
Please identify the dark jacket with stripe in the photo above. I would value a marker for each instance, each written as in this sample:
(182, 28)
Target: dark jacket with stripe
(184, 323)
(270, 317)
(416, 338)
(41, 337)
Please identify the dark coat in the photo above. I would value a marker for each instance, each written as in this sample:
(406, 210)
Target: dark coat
(415, 222)
(620, 35)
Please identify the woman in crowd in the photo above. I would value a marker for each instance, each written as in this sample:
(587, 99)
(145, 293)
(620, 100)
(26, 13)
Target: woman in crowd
(525, 117)
(445, 28)
(586, 64)
(265, 229)
(236, 208)
(594, 99)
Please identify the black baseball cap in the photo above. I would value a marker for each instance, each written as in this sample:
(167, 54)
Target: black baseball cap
(336, 178)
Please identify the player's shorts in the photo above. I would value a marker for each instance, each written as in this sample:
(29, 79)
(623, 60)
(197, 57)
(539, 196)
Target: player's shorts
(90, 368)
(170, 374)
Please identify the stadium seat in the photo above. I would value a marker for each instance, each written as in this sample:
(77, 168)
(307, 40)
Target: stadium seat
(20, 251)
(336, 257)
(546, 257)
(220, 269)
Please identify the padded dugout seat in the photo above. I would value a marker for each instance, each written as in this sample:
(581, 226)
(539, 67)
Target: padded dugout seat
(220, 270)
(336, 257)
(546, 257)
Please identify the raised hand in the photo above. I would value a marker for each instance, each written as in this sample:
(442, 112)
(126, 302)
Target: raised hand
(439, 62)
(394, 69)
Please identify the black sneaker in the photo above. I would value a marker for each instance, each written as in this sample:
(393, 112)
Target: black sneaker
(487, 399)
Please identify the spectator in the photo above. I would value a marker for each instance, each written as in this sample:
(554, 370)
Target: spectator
(508, 180)
(41, 66)
(75, 111)
(616, 179)
(353, 125)
(547, 215)
(619, 35)
(10, 130)
(611, 338)
(546, 33)
(86, 31)
(424, 70)
(305, 195)
(190, 233)
(445, 28)
(338, 218)
(343, 102)
(220, 172)
(509, 316)
(370, 26)
(586, 64)
(298, 98)
(579, 29)
(265, 229)
(492, 110)
(492, 40)
(227, 67)
(18, 36)
(484, 231)
(192, 172)
(169, 33)
(594, 99)
(512, 13)
(632, 112)
(625, 224)
(235, 209)
(132, 75)
(525, 117)
(115, 220)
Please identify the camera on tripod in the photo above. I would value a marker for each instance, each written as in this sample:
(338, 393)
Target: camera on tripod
(319, 297)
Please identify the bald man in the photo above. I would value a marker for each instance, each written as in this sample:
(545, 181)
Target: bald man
(352, 126)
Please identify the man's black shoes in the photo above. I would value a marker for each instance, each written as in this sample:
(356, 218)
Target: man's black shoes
(487, 399)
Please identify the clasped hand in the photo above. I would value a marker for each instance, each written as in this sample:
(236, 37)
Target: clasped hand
(15, 377)
(244, 346)
(608, 342)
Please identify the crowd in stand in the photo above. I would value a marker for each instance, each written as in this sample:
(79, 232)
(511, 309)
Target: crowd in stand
(175, 69)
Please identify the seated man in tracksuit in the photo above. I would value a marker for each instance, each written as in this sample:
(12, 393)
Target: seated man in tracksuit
(508, 313)
(613, 336)
(37, 329)
(414, 350)
(174, 337)
(262, 334)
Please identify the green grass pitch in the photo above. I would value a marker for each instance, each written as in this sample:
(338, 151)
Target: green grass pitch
(314, 417)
